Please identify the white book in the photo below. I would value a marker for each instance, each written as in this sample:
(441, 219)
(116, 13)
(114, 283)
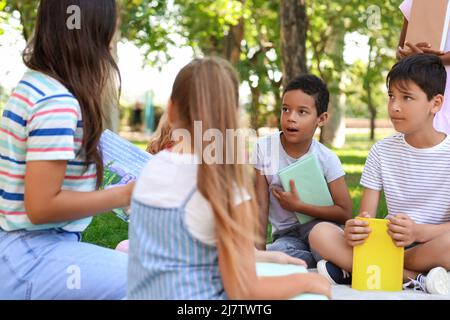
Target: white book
(123, 162)
(429, 22)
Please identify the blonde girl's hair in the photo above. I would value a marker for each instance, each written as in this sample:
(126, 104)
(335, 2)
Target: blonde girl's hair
(207, 90)
(162, 137)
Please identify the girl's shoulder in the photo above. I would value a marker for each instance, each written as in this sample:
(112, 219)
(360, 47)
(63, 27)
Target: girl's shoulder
(165, 179)
(321, 150)
(43, 84)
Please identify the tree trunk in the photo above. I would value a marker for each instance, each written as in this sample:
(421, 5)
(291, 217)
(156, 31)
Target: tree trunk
(254, 108)
(294, 25)
(277, 93)
(372, 111)
(233, 42)
(372, 122)
(333, 133)
(232, 49)
(368, 89)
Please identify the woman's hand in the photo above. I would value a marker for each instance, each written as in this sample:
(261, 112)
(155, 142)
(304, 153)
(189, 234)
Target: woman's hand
(421, 47)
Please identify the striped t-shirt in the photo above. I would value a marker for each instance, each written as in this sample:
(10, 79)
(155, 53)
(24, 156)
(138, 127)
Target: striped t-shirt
(41, 121)
(415, 181)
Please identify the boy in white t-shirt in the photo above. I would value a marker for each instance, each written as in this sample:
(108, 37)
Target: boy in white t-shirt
(305, 104)
(412, 168)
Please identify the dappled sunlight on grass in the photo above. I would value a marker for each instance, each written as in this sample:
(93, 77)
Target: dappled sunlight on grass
(353, 168)
(140, 144)
(356, 192)
(351, 152)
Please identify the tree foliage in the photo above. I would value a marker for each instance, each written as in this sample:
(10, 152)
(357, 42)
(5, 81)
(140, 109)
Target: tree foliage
(27, 11)
(146, 24)
(330, 21)
(247, 33)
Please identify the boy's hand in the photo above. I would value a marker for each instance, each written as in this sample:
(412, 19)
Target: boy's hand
(356, 231)
(421, 47)
(402, 229)
(288, 200)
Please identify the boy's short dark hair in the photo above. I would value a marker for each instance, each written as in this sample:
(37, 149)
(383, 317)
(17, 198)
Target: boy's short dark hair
(425, 70)
(312, 86)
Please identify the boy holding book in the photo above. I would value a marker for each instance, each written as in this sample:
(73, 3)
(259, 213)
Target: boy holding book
(412, 168)
(305, 104)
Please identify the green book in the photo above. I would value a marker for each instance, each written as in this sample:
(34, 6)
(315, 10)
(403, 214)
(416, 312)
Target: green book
(309, 182)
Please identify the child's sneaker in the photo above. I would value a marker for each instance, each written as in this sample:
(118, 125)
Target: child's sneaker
(435, 282)
(333, 273)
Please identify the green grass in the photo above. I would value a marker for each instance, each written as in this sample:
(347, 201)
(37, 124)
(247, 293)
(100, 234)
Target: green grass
(140, 144)
(107, 230)
(353, 157)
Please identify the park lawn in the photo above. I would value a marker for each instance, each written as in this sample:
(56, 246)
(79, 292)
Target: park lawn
(353, 157)
(107, 230)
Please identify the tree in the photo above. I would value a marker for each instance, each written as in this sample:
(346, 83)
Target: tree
(147, 24)
(27, 10)
(214, 28)
(260, 65)
(383, 31)
(3, 15)
(329, 23)
(294, 24)
(246, 33)
(140, 21)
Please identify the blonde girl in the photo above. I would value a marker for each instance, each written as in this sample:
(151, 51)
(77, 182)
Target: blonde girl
(193, 221)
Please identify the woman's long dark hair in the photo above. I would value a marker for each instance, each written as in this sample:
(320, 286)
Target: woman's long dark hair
(80, 59)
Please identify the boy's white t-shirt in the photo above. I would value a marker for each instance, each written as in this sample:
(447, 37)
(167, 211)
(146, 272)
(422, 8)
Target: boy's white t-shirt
(442, 118)
(166, 182)
(270, 157)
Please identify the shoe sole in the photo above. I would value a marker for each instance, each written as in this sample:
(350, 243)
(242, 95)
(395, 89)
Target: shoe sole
(322, 270)
(437, 281)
